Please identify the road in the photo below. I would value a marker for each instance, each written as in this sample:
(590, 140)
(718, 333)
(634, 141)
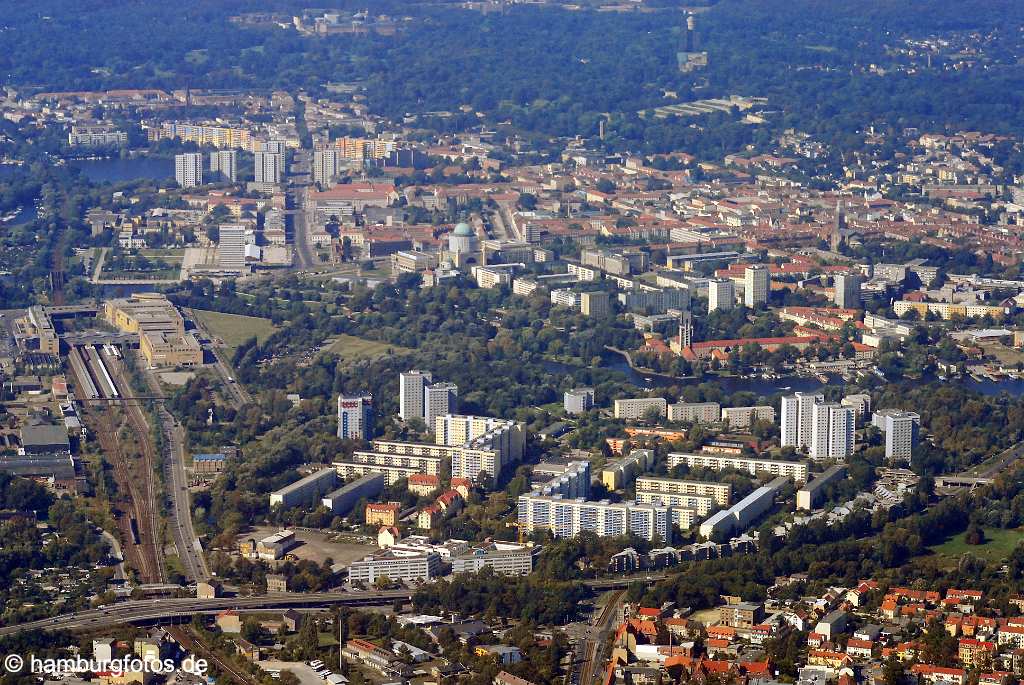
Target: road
(504, 227)
(297, 193)
(166, 609)
(997, 464)
(190, 551)
(163, 610)
(235, 393)
(238, 395)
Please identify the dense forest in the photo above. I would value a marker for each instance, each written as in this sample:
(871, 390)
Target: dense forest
(810, 59)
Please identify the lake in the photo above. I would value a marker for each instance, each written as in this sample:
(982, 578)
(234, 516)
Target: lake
(27, 214)
(768, 387)
(115, 169)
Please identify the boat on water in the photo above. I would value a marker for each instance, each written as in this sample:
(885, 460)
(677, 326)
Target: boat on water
(10, 216)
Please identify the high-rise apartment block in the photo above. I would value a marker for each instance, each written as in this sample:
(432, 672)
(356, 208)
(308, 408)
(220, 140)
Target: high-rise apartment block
(824, 429)
(224, 165)
(439, 399)
(847, 291)
(578, 400)
(832, 431)
(419, 397)
(411, 390)
(685, 329)
(231, 247)
(797, 419)
(326, 164)
(595, 304)
(756, 283)
(269, 168)
(355, 417)
(188, 169)
(277, 147)
(721, 294)
(860, 403)
(901, 429)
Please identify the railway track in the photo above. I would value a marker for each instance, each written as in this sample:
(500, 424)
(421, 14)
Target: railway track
(187, 639)
(593, 647)
(135, 509)
(148, 515)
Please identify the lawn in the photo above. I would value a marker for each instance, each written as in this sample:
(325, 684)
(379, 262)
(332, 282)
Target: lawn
(999, 543)
(234, 329)
(349, 347)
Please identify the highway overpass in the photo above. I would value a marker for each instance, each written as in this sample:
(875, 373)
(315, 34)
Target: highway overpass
(167, 610)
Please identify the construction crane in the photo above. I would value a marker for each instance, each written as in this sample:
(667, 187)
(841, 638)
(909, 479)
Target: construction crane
(522, 530)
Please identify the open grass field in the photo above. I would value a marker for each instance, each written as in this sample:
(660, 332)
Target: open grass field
(234, 329)
(1007, 356)
(999, 543)
(349, 347)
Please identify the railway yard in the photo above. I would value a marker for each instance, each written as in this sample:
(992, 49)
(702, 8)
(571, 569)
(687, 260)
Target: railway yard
(126, 439)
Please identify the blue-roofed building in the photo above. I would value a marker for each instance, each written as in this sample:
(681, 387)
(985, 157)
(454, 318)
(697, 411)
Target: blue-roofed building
(208, 463)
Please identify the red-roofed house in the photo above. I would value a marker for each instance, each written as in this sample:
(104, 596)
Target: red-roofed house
(463, 486)
(1012, 636)
(975, 652)
(859, 649)
(827, 657)
(423, 484)
(939, 674)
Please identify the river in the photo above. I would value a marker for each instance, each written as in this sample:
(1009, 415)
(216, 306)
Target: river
(116, 169)
(768, 387)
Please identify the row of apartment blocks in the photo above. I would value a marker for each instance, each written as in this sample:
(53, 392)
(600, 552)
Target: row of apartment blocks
(569, 517)
(796, 470)
(415, 558)
(217, 136)
(739, 516)
(948, 310)
(690, 501)
(719, 493)
(473, 445)
(691, 412)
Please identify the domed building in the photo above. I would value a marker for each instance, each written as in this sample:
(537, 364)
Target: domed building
(463, 246)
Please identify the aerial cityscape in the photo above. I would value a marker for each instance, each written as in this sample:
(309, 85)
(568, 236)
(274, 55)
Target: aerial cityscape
(512, 342)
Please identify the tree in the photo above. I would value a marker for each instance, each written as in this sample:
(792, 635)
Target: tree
(975, 535)
(307, 643)
(252, 630)
(893, 671)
